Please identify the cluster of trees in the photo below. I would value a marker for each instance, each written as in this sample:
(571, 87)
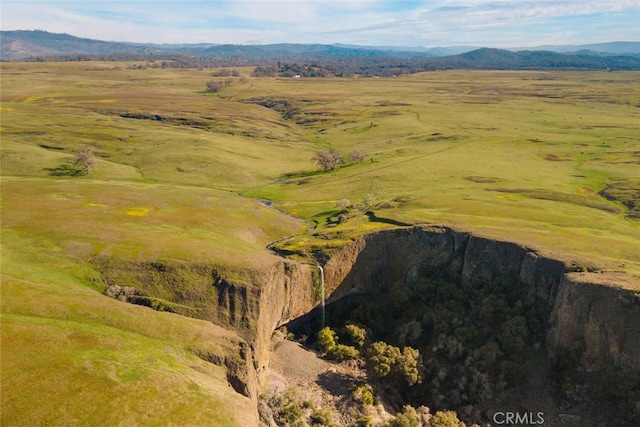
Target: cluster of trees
(315, 68)
(367, 66)
(479, 59)
(332, 160)
(339, 67)
(214, 86)
(398, 368)
(392, 369)
(440, 343)
(289, 409)
(226, 72)
(303, 60)
(409, 417)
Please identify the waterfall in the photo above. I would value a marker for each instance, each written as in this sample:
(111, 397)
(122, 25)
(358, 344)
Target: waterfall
(322, 284)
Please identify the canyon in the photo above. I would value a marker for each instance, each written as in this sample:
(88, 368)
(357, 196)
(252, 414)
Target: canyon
(585, 314)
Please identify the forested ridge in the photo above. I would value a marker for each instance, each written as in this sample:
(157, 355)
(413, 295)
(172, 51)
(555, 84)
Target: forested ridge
(304, 60)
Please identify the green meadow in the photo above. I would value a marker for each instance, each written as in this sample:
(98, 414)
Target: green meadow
(550, 160)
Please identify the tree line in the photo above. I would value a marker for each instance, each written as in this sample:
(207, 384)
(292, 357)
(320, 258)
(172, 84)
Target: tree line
(365, 66)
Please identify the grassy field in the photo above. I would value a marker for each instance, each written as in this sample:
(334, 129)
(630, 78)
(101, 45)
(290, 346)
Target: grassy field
(183, 174)
(71, 356)
(513, 155)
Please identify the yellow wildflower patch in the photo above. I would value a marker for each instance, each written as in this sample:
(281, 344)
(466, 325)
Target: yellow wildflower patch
(137, 211)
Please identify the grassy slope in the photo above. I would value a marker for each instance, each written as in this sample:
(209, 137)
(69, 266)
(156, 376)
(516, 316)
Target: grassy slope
(516, 156)
(162, 191)
(73, 356)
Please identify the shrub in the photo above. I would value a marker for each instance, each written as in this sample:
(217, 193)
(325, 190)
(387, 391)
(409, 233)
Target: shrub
(407, 418)
(382, 358)
(158, 304)
(445, 419)
(326, 339)
(342, 352)
(368, 200)
(215, 86)
(366, 421)
(287, 408)
(290, 412)
(356, 335)
(321, 417)
(408, 365)
(343, 203)
(364, 394)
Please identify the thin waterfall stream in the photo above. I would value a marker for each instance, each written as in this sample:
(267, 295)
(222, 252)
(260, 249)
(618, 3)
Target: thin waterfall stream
(322, 285)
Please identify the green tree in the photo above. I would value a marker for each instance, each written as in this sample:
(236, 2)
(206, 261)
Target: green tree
(321, 418)
(364, 394)
(287, 408)
(407, 418)
(341, 352)
(326, 339)
(445, 419)
(382, 358)
(356, 335)
(387, 361)
(514, 335)
(408, 366)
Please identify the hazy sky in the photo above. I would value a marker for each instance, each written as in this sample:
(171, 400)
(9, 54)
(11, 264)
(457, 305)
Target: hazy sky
(430, 23)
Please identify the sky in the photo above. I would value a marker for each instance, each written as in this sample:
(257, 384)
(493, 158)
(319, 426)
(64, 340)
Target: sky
(428, 23)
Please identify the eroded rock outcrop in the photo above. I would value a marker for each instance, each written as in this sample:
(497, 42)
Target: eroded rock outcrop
(252, 303)
(596, 320)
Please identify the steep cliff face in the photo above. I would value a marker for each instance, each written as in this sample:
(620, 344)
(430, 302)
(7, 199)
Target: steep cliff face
(595, 321)
(286, 292)
(252, 303)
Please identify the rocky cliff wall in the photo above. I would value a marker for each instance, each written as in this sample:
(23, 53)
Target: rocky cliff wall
(252, 303)
(286, 292)
(596, 321)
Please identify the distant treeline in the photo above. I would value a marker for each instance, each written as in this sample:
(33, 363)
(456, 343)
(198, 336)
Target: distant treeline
(326, 66)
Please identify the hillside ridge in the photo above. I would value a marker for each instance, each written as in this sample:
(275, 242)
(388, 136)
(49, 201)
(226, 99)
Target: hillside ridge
(42, 45)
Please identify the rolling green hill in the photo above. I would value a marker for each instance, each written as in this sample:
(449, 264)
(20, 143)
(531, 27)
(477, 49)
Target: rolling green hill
(547, 160)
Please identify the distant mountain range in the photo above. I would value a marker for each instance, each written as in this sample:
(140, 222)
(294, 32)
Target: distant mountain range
(21, 45)
(40, 45)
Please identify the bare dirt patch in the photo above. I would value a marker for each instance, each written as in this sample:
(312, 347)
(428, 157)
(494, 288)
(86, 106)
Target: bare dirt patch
(321, 383)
